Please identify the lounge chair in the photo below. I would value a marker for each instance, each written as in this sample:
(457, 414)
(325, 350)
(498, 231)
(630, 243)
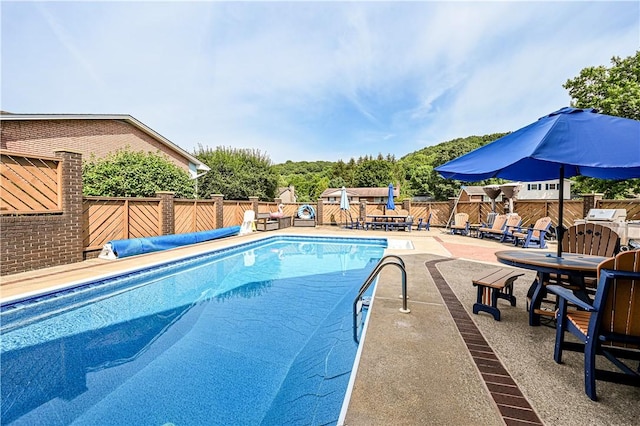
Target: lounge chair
(610, 326)
(248, 222)
(534, 236)
(460, 224)
(512, 225)
(491, 217)
(496, 227)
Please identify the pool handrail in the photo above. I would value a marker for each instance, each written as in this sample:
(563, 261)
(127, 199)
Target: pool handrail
(390, 259)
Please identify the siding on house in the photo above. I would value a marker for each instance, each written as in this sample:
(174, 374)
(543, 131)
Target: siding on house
(87, 135)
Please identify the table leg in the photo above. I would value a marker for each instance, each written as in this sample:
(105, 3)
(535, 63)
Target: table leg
(537, 292)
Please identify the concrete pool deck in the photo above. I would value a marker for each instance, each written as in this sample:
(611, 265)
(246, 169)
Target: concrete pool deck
(428, 367)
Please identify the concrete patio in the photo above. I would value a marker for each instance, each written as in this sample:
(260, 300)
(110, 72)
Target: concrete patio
(420, 368)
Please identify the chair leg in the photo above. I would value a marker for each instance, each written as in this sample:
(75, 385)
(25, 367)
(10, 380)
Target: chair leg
(561, 324)
(590, 369)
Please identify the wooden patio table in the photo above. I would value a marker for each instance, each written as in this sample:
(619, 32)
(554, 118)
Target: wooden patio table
(545, 263)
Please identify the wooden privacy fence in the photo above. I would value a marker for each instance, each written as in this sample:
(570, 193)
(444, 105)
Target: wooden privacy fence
(46, 221)
(194, 215)
(30, 184)
(114, 218)
(234, 212)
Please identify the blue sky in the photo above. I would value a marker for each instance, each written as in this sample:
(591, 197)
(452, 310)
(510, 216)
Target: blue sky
(308, 81)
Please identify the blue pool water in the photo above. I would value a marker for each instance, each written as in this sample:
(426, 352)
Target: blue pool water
(258, 334)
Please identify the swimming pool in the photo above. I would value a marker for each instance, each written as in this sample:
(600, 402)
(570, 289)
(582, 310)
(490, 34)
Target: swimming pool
(254, 334)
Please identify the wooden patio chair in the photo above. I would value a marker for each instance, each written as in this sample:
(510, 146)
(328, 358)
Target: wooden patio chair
(591, 238)
(534, 236)
(585, 238)
(513, 224)
(497, 226)
(460, 224)
(491, 217)
(610, 326)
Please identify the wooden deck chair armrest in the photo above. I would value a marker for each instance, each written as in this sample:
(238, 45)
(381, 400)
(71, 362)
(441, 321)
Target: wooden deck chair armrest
(567, 294)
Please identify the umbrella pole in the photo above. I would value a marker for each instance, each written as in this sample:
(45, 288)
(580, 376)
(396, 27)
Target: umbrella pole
(560, 229)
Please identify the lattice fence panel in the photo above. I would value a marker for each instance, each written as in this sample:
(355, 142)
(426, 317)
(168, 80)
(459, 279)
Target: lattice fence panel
(29, 184)
(184, 216)
(291, 209)
(440, 213)
(205, 216)
(233, 212)
(373, 209)
(531, 211)
(331, 213)
(144, 218)
(103, 220)
(631, 206)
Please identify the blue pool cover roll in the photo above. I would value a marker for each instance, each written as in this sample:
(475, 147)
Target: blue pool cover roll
(131, 247)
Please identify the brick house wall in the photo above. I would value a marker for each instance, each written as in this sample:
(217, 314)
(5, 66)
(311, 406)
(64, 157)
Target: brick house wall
(97, 137)
(32, 242)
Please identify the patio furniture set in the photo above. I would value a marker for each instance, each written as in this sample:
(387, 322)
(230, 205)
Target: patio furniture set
(505, 228)
(596, 298)
(391, 220)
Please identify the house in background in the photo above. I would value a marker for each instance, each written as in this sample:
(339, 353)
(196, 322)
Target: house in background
(88, 134)
(475, 194)
(540, 190)
(357, 195)
(544, 190)
(287, 194)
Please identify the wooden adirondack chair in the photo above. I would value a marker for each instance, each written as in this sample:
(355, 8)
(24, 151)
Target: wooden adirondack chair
(512, 225)
(610, 326)
(586, 238)
(497, 226)
(591, 238)
(534, 237)
(460, 224)
(491, 217)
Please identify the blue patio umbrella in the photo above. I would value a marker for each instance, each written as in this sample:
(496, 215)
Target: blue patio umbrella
(390, 203)
(568, 142)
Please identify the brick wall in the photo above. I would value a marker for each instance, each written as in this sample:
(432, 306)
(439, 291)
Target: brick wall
(34, 242)
(97, 137)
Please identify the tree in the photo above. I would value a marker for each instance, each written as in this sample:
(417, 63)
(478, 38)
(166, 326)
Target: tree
(237, 174)
(126, 173)
(373, 173)
(613, 91)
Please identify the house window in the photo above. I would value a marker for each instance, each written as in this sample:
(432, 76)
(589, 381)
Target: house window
(552, 186)
(534, 186)
(332, 199)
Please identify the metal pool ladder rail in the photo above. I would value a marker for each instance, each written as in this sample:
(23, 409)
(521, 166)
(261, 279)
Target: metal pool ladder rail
(389, 259)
